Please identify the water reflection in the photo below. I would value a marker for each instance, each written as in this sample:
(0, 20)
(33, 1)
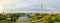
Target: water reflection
(23, 19)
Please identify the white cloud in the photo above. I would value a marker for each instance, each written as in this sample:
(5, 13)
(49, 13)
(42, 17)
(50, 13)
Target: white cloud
(13, 4)
(1, 7)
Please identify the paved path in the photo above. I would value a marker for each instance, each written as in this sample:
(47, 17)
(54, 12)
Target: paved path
(56, 22)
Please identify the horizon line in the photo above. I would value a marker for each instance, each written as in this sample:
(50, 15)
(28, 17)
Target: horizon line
(30, 12)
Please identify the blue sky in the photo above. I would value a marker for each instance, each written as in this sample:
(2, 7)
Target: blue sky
(29, 5)
(51, 5)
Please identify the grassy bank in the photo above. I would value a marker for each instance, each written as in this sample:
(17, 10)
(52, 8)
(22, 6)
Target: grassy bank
(5, 21)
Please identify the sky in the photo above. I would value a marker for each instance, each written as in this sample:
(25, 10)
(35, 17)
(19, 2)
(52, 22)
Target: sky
(51, 5)
(29, 5)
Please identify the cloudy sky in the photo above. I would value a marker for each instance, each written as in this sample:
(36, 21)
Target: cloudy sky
(29, 5)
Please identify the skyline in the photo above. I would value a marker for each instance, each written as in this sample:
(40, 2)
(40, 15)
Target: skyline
(29, 5)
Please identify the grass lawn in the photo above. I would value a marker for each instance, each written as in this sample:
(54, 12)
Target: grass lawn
(4, 21)
(23, 22)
